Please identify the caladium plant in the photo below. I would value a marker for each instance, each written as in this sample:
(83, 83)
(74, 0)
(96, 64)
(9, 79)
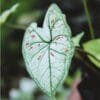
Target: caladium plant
(48, 51)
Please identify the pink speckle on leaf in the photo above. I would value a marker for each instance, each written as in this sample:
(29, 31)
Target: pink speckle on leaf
(27, 44)
(39, 57)
(39, 44)
(51, 54)
(65, 50)
(33, 36)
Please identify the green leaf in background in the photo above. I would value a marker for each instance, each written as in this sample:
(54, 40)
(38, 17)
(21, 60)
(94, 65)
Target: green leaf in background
(77, 39)
(93, 47)
(5, 14)
(27, 18)
(48, 51)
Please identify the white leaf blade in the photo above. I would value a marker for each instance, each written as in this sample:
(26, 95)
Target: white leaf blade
(48, 62)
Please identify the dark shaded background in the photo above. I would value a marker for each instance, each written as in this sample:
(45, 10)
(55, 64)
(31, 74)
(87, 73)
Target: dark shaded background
(12, 66)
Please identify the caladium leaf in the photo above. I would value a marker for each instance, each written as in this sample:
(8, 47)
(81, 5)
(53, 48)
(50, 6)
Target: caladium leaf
(48, 51)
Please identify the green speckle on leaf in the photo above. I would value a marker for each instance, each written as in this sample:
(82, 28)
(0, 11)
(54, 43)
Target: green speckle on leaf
(48, 51)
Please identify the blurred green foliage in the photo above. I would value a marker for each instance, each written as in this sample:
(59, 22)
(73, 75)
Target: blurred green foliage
(5, 14)
(93, 47)
(23, 15)
(10, 36)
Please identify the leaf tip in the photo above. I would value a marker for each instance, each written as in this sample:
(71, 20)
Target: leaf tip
(77, 39)
(54, 6)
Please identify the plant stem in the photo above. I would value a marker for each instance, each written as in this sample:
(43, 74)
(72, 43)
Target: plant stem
(88, 19)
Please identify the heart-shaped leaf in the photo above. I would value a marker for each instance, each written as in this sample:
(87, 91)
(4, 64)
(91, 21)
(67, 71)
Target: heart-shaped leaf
(48, 51)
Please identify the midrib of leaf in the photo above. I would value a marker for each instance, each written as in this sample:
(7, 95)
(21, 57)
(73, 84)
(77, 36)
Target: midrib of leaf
(50, 33)
(50, 30)
(49, 59)
(52, 97)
